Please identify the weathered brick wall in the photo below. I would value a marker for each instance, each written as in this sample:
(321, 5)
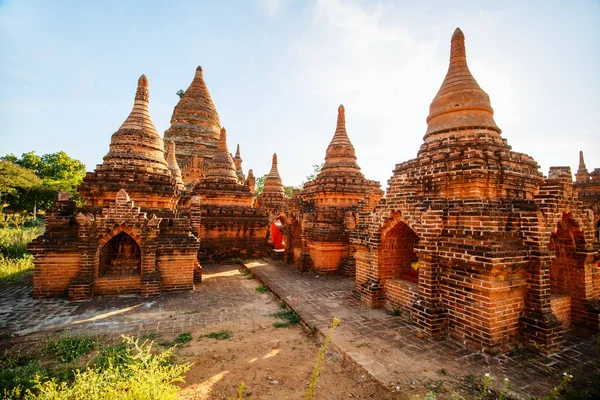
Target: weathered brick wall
(231, 232)
(114, 285)
(561, 308)
(400, 294)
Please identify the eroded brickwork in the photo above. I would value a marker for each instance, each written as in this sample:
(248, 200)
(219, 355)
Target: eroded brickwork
(479, 219)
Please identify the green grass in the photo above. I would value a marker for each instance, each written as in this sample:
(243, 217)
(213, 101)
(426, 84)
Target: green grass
(288, 318)
(15, 269)
(17, 372)
(262, 289)
(15, 262)
(183, 338)
(219, 335)
(69, 348)
(151, 336)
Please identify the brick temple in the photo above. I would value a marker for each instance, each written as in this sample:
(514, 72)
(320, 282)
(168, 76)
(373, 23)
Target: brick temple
(470, 238)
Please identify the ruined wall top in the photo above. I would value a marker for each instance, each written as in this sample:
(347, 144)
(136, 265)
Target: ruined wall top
(460, 103)
(195, 124)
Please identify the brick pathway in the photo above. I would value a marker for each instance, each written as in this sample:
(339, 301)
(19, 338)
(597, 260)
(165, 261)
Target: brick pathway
(224, 296)
(396, 354)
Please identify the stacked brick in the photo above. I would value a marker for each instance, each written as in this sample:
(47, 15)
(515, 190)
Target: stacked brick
(471, 218)
(230, 227)
(128, 237)
(328, 207)
(195, 127)
(273, 199)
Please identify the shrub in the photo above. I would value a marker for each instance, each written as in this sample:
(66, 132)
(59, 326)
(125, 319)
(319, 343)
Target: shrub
(262, 289)
(144, 376)
(17, 374)
(69, 348)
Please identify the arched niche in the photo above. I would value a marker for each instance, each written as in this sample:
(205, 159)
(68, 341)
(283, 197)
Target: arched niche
(120, 256)
(397, 258)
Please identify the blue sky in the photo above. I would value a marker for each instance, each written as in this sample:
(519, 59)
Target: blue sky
(278, 69)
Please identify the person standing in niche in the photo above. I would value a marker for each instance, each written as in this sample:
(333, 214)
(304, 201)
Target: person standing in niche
(276, 237)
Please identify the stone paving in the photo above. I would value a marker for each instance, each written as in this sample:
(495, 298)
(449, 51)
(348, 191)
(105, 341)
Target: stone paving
(396, 354)
(224, 296)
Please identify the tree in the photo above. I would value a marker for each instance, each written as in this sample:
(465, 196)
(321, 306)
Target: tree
(260, 185)
(14, 178)
(56, 172)
(180, 93)
(316, 169)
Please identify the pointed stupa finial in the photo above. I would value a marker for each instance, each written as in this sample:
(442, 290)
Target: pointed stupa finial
(460, 103)
(273, 184)
(581, 161)
(250, 173)
(274, 159)
(199, 68)
(222, 140)
(457, 46)
(143, 82)
(237, 151)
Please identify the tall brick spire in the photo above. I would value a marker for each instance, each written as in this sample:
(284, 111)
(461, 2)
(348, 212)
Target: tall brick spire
(340, 154)
(195, 124)
(135, 162)
(221, 167)
(460, 103)
(582, 175)
(237, 160)
(273, 183)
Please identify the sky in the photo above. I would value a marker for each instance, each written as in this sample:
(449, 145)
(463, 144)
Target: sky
(277, 70)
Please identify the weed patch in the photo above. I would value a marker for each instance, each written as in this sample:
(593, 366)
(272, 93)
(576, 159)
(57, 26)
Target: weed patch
(262, 289)
(183, 338)
(69, 348)
(288, 316)
(223, 334)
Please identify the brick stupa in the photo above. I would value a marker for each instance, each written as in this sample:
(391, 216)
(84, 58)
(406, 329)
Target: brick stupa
(230, 226)
(334, 197)
(460, 240)
(273, 197)
(135, 162)
(130, 237)
(195, 127)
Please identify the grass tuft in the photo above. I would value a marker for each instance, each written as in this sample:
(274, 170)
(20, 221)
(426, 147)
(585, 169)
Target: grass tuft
(69, 348)
(223, 334)
(262, 289)
(288, 316)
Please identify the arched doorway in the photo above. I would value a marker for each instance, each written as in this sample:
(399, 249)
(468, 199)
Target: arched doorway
(397, 259)
(565, 277)
(120, 256)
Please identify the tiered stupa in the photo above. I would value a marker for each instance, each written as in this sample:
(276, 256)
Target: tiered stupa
(335, 196)
(195, 127)
(131, 236)
(135, 162)
(273, 197)
(237, 160)
(458, 240)
(230, 227)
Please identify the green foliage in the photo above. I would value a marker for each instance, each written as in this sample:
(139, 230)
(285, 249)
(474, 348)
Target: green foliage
(15, 262)
(69, 348)
(144, 375)
(435, 387)
(316, 169)
(180, 93)
(309, 394)
(15, 269)
(235, 260)
(288, 316)
(289, 190)
(49, 174)
(219, 335)
(119, 355)
(17, 373)
(260, 184)
(396, 311)
(182, 338)
(14, 177)
(262, 289)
